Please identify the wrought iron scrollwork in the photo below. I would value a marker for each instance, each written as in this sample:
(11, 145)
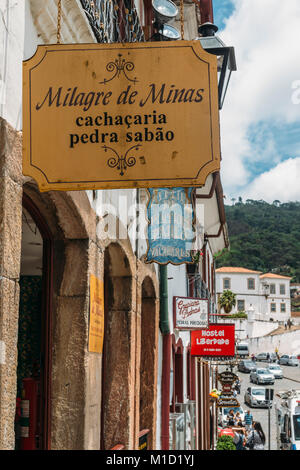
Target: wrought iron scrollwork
(122, 163)
(119, 66)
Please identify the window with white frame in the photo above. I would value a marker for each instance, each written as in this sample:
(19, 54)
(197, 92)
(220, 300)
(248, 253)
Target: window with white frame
(273, 307)
(251, 283)
(282, 289)
(272, 289)
(241, 305)
(283, 308)
(226, 283)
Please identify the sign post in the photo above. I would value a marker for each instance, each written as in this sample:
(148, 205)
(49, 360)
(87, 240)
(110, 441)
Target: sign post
(104, 116)
(269, 397)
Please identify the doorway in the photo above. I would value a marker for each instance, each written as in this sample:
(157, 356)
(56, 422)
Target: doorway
(32, 423)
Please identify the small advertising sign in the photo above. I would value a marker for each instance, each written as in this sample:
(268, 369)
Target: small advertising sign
(217, 340)
(190, 313)
(227, 377)
(96, 330)
(224, 402)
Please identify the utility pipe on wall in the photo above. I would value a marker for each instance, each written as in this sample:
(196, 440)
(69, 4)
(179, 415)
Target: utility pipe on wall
(166, 365)
(206, 11)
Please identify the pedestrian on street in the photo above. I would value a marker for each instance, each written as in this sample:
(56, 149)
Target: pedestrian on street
(248, 420)
(237, 386)
(239, 439)
(230, 418)
(256, 438)
(237, 418)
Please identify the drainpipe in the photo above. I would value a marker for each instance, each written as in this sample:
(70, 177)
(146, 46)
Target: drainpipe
(164, 308)
(206, 11)
(166, 366)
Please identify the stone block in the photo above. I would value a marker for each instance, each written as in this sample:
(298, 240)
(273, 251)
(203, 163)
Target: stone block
(75, 276)
(67, 424)
(10, 228)
(10, 152)
(70, 338)
(9, 314)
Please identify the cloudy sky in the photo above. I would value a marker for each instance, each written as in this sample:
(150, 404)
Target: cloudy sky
(260, 120)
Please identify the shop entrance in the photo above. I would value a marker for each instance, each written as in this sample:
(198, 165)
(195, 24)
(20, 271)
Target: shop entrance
(32, 423)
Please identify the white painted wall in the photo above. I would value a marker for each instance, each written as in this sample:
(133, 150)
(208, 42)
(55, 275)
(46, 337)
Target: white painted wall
(287, 343)
(12, 29)
(245, 329)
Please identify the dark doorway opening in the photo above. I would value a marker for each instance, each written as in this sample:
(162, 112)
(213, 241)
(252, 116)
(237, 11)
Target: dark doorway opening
(32, 429)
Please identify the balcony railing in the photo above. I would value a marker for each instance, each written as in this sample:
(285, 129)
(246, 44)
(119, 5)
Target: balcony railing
(114, 20)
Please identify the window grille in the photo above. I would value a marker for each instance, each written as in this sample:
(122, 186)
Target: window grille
(114, 20)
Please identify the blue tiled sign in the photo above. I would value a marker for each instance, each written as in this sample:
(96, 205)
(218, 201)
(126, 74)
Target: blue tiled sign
(170, 225)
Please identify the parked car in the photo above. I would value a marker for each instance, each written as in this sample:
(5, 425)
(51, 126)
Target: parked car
(224, 413)
(256, 397)
(284, 359)
(262, 376)
(293, 361)
(261, 357)
(276, 370)
(246, 366)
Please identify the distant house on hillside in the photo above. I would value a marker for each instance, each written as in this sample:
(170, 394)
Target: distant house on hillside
(269, 293)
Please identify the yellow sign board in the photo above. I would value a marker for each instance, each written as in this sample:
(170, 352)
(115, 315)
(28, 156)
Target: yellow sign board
(103, 116)
(96, 330)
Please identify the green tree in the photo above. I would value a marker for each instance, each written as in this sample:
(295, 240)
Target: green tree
(227, 301)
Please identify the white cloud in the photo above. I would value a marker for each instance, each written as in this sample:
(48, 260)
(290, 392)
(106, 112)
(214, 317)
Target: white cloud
(282, 182)
(266, 37)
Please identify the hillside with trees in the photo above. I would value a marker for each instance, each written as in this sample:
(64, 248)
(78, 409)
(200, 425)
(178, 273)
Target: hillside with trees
(264, 237)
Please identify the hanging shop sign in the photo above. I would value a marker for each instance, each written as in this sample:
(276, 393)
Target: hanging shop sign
(190, 313)
(224, 402)
(102, 116)
(96, 326)
(217, 340)
(227, 377)
(171, 231)
(227, 389)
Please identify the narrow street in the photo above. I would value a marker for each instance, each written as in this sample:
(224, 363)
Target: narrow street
(261, 414)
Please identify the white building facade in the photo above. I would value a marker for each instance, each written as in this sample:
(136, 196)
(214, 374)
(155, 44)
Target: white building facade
(268, 294)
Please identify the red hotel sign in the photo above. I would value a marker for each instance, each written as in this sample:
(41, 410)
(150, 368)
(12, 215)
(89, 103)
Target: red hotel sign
(217, 340)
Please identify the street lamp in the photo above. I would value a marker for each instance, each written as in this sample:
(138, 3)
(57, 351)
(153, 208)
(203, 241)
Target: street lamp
(226, 56)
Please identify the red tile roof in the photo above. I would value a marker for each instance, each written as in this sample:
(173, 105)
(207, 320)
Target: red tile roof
(229, 269)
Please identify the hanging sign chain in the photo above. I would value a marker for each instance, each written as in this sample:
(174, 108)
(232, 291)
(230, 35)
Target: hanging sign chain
(182, 19)
(58, 21)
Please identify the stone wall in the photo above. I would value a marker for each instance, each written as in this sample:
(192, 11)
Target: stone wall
(10, 252)
(76, 374)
